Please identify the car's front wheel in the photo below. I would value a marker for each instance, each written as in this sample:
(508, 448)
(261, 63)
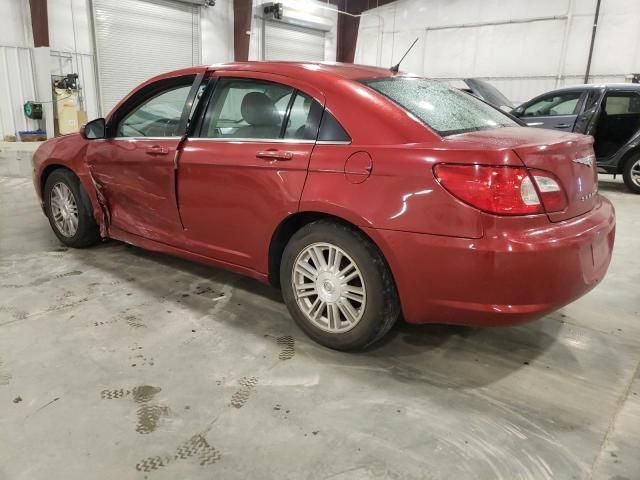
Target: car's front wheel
(69, 210)
(631, 173)
(337, 286)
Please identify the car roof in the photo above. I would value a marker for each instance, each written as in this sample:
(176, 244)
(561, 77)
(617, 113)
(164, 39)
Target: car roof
(597, 86)
(305, 71)
(301, 70)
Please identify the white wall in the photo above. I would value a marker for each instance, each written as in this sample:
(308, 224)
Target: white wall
(315, 11)
(521, 59)
(71, 42)
(16, 67)
(216, 26)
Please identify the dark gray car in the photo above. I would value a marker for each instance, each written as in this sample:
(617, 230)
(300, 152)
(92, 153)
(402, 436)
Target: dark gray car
(610, 113)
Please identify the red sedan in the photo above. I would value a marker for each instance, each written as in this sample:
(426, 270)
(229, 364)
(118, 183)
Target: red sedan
(362, 193)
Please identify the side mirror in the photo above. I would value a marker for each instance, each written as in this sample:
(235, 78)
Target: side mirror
(93, 130)
(517, 112)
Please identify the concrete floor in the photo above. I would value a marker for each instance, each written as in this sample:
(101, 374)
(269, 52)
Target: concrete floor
(118, 363)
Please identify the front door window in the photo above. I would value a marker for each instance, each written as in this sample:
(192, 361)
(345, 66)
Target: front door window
(158, 116)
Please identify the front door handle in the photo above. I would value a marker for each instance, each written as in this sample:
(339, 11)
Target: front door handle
(534, 124)
(274, 155)
(562, 125)
(157, 150)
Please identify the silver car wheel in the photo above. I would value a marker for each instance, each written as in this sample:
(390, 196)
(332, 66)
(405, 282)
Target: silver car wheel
(328, 287)
(635, 173)
(64, 209)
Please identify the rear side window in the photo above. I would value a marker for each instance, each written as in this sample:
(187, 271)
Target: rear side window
(331, 130)
(445, 109)
(618, 103)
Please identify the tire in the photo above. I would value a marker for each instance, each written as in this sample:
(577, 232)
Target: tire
(631, 173)
(376, 306)
(86, 232)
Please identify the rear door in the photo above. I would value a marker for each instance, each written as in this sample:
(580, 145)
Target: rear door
(619, 121)
(242, 170)
(557, 110)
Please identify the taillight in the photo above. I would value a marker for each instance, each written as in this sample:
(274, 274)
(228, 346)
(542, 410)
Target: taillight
(553, 198)
(502, 190)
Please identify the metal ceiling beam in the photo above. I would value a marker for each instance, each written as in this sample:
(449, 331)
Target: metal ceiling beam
(39, 23)
(241, 29)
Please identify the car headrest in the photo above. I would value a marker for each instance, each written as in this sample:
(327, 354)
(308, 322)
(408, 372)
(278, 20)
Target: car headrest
(258, 110)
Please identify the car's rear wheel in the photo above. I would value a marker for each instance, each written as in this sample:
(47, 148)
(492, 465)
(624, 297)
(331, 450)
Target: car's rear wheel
(337, 286)
(631, 173)
(69, 210)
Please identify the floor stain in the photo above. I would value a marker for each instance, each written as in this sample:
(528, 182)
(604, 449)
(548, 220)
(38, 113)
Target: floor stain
(138, 359)
(69, 274)
(288, 347)
(203, 290)
(5, 377)
(106, 322)
(197, 446)
(141, 394)
(39, 281)
(134, 321)
(149, 416)
(18, 399)
(15, 313)
(145, 393)
(240, 398)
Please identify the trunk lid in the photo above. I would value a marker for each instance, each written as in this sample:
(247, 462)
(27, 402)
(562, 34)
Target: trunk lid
(568, 156)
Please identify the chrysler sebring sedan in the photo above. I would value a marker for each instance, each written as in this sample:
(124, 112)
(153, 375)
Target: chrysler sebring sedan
(363, 194)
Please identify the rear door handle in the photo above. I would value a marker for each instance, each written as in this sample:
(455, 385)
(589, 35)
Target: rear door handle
(562, 125)
(157, 150)
(274, 155)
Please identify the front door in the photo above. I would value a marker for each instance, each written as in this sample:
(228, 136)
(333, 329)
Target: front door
(555, 110)
(133, 168)
(243, 170)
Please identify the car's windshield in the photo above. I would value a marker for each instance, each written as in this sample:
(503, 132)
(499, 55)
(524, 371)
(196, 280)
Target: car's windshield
(445, 109)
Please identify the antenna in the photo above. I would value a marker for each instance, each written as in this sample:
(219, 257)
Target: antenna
(396, 67)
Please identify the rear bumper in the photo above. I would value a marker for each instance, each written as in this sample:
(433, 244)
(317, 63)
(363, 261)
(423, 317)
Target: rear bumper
(521, 269)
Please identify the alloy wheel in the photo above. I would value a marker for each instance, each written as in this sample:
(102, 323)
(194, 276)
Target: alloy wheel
(64, 209)
(635, 173)
(329, 287)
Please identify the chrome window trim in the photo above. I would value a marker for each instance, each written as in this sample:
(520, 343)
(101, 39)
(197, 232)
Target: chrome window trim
(333, 142)
(240, 140)
(254, 140)
(144, 138)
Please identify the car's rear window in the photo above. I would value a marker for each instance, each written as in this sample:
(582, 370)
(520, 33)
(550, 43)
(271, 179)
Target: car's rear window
(445, 109)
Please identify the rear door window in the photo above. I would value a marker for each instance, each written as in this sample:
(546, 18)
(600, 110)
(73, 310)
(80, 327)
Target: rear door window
(304, 117)
(243, 108)
(618, 103)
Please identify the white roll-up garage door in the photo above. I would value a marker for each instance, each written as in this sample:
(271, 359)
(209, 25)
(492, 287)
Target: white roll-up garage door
(136, 40)
(289, 42)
